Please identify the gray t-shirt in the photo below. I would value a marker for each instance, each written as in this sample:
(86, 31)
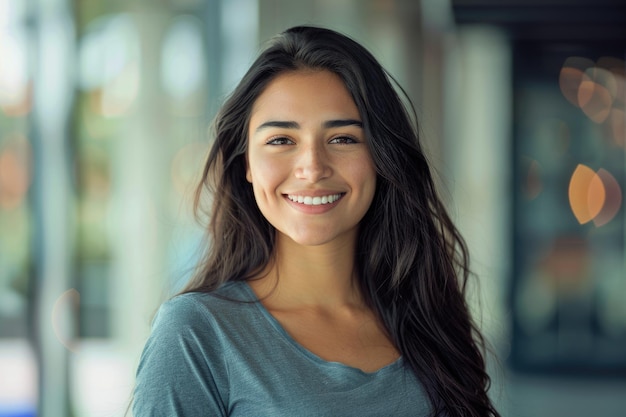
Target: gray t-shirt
(223, 354)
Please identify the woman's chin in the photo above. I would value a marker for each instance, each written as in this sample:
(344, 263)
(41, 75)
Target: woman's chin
(317, 238)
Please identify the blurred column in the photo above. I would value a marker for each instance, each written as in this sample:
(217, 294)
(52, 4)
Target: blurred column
(239, 27)
(139, 230)
(52, 46)
(437, 26)
(478, 146)
(477, 117)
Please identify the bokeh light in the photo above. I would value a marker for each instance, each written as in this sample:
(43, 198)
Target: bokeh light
(566, 264)
(15, 171)
(571, 77)
(183, 64)
(586, 194)
(109, 64)
(62, 317)
(594, 99)
(594, 195)
(613, 200)
(617, 67)
(15, 83)
(596, 88)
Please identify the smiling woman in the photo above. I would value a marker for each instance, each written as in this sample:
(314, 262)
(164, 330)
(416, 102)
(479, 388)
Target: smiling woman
(334, 282)
(306, 145)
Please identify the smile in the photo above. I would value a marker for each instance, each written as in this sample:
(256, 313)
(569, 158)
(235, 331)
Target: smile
(314, 201)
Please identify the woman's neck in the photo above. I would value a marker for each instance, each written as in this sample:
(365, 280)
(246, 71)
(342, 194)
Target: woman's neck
(315, 276)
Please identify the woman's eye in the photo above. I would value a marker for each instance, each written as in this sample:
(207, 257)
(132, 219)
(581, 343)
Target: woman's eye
(343, 140)
(279, 141)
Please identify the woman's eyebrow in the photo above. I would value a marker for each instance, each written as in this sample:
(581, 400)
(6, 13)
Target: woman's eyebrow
(342, 122)
(278, 123)
(329, 124)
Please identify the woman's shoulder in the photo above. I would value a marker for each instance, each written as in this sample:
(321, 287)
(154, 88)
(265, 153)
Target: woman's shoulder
(207, 320)
(231, 299)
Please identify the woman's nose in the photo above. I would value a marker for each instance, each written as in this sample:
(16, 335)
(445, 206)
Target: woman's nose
(313, 164)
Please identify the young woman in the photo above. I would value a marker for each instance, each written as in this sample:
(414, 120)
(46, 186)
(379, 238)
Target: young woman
(334, 281)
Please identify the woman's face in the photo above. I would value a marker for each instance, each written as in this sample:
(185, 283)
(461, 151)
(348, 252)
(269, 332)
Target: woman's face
(308, 161)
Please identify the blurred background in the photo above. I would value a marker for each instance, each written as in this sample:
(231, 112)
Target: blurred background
(104, 115)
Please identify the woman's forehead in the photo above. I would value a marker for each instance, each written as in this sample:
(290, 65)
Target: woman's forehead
(304, 94)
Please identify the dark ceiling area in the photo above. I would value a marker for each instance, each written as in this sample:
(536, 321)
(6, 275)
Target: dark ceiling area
(553, 20)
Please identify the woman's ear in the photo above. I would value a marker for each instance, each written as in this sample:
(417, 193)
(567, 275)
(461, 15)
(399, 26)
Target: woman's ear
(248, 173)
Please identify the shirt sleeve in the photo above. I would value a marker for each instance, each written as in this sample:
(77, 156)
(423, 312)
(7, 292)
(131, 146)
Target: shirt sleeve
(181, 371)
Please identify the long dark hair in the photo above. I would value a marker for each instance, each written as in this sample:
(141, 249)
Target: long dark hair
(412, 262)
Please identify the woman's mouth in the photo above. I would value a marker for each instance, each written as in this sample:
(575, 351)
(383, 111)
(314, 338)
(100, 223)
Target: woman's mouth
(314, 201)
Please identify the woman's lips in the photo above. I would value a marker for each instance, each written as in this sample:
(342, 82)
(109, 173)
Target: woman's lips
(314, 204)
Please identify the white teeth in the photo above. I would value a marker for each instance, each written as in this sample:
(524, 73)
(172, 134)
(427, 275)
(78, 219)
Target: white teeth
(314, 201)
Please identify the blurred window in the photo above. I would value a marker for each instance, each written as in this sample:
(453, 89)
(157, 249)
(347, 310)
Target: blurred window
(570, 139)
